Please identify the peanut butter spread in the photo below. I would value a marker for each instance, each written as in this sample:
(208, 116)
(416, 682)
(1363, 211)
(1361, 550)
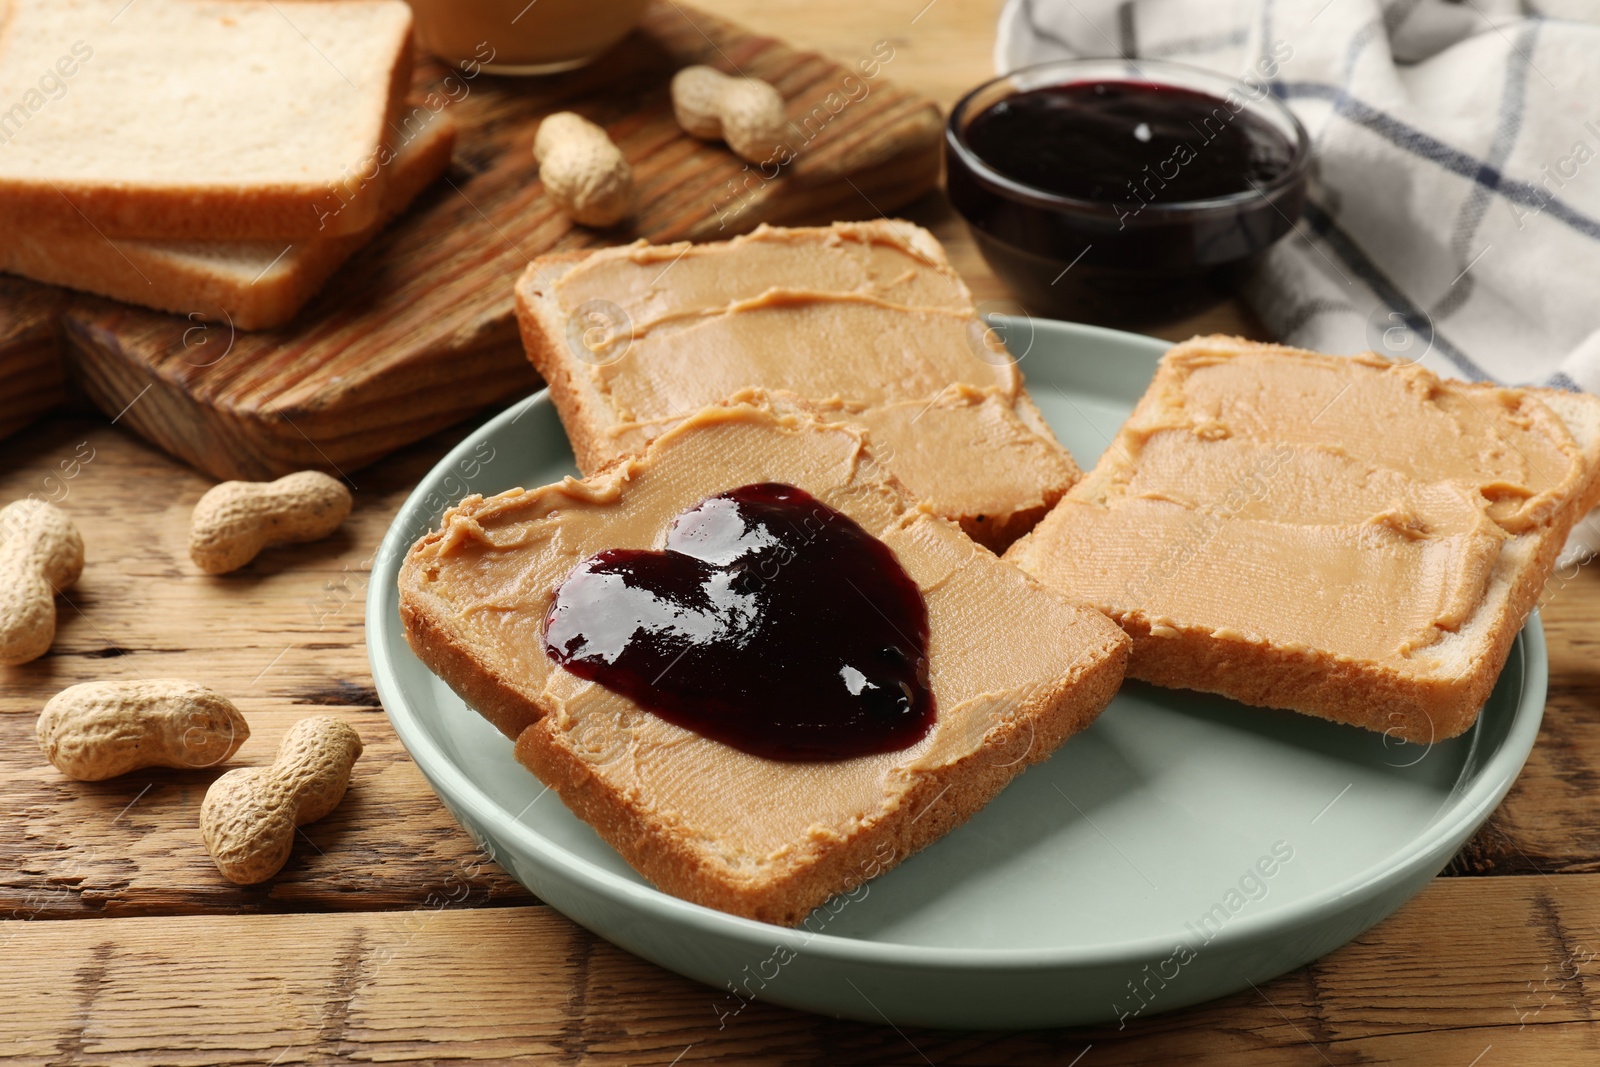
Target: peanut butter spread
(821, 345)
(967, 421)
(1503, 443)
(997, 639)
(1345, 507)
(866, 318)
(898, 264)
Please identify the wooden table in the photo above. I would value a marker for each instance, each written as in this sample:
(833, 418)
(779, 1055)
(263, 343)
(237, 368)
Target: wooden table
(389, 937)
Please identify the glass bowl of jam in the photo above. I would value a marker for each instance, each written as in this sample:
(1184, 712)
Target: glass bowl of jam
(1124, 191)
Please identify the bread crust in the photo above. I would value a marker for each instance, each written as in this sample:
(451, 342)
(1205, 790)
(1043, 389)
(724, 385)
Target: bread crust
(922, 798)
(1414, 708)
(543, 339)
(206, 212)
(1411, 706)
(448, 654)
(788, 891)
(545, 329)
(146, 273)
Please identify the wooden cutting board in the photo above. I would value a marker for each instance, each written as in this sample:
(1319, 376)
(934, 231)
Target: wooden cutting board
(417, 331)
(32, 378)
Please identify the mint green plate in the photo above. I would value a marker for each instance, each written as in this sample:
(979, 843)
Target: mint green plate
(1180, 849)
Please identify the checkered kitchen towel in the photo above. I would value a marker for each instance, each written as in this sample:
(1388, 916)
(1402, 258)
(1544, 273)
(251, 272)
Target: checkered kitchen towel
(1457, 169)
(1455, 197)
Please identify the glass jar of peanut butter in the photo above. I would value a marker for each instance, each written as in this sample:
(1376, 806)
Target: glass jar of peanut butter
(522, 36)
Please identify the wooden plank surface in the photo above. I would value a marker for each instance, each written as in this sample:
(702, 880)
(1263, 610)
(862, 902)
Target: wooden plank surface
(283, 638)
(416, 331)
(447, 984)
(393, 940)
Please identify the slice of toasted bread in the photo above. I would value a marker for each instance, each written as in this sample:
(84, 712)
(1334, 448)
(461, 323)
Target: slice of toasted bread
(254, 285)
(1014, 669)
(867, 319)
(1341, 536)
(204, 119)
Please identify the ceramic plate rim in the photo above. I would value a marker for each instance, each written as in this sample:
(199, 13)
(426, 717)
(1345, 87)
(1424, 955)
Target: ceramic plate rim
(1489, 783)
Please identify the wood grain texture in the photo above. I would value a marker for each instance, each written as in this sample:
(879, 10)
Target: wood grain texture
(387, 952)
(416, 331)
(283, 638)
(32, 378)
(1547, 823)
(447, 984)
(388, 354)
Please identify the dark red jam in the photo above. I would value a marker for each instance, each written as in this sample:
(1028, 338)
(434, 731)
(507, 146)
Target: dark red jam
(770, 622)
(1123, 202)
(1134, 142)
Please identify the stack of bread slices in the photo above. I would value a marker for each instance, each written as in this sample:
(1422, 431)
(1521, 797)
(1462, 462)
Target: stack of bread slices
(219, 159)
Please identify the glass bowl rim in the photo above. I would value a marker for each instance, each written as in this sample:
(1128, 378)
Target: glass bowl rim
(955, 134)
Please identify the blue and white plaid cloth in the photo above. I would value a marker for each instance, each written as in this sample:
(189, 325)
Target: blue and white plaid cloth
(1455, 196)
(1456, 179)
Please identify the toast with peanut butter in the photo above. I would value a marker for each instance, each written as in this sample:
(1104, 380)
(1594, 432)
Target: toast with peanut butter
(1347, 537)
(1010, 668)
(866, 319)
